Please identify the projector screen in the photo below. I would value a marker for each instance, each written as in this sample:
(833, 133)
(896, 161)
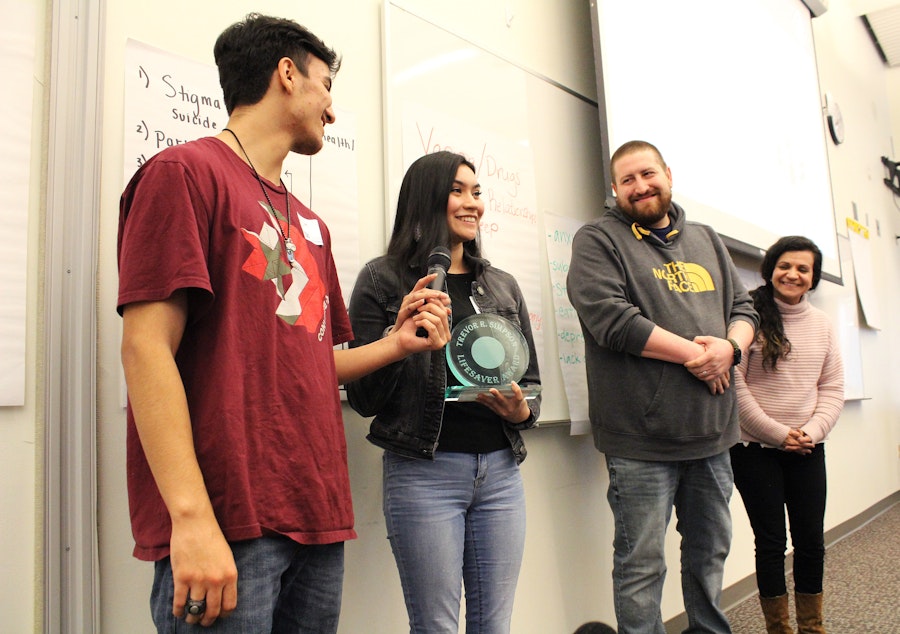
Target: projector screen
(729, 93)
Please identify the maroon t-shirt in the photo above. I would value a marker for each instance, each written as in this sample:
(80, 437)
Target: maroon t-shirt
(256, 357)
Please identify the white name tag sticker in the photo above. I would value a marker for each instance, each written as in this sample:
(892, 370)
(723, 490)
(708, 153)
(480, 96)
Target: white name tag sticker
(311, 230)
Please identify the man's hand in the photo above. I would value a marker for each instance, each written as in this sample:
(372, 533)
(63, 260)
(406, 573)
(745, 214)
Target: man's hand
(427, 309)
(719, 384)
(203, 568)
(418, 300)
(716, 360)
(422, 308)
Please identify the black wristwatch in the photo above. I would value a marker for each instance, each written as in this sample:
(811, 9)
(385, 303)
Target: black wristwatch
(737, 352)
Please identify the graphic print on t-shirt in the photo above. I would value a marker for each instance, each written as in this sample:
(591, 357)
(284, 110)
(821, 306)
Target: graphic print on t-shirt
(299, 286)
(685, 277)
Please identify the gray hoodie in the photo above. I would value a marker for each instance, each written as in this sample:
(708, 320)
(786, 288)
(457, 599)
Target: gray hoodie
(623, 282)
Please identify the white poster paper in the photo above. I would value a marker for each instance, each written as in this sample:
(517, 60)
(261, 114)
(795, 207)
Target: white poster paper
(564, 322)
(505, 170)
(171, 99)
(860, 250)
(17, 44)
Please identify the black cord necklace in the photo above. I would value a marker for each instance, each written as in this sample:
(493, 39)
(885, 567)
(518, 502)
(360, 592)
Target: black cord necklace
(288, 243)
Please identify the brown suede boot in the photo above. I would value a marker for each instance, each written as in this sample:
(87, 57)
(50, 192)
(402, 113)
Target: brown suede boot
(775, 610)
(809, 613)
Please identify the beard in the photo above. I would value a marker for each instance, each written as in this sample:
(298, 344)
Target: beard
(307, 147)
(648, 212)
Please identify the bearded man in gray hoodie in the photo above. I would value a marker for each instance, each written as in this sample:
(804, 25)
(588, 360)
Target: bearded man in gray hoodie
(665, 318)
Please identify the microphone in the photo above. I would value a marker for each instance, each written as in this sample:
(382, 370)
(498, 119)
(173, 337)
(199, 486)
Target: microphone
(438, 262)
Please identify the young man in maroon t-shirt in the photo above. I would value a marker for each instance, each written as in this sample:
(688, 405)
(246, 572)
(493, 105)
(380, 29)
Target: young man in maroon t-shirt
(237, 468)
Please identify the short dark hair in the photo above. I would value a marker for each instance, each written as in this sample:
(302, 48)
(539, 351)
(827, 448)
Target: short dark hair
(421, 220)
(248, 52)
(595, 627)
(630, 148)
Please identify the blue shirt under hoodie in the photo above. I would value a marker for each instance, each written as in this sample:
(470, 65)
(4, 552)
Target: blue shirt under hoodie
(623, 280)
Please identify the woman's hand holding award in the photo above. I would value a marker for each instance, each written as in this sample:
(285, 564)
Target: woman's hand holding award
(487, 351)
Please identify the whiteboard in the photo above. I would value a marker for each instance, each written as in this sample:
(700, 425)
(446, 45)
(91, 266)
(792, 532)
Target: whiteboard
(482, 96)
(729, 93)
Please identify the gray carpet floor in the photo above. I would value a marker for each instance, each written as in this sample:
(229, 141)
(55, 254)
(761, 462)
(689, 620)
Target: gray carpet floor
(862, 583)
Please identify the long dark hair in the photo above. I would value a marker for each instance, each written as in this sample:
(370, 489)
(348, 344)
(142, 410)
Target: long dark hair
(775, 344)
(421, 221)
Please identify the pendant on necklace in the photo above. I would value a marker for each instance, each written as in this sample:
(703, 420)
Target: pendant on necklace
(290, 248)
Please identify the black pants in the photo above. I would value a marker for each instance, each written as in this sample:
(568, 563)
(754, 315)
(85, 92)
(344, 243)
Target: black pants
(770, 480)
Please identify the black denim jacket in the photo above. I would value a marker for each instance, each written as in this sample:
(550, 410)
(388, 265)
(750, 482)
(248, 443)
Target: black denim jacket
(407, 398)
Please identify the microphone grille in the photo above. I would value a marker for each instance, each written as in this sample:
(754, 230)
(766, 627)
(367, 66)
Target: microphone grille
(439, 256)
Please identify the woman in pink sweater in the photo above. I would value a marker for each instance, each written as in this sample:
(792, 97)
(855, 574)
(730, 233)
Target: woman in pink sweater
(790, 389)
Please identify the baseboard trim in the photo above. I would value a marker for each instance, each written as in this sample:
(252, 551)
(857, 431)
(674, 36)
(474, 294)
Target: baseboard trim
(745, 588)
(852, 525)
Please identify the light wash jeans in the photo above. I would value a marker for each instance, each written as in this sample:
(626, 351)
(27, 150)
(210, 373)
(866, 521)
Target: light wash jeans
(283, 587)
(458, 519)
(642, 494)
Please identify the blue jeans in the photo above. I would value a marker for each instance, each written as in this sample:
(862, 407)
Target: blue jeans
(770, 480)
(457, 519)
(282, 586)
(641, 495)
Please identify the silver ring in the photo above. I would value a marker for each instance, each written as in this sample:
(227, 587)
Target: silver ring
(196, 607)
(703, 373)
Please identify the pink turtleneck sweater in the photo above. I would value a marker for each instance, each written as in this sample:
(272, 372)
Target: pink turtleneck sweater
(807, 389)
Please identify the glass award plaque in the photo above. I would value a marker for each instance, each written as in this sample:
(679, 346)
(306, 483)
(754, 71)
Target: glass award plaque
(487, 351)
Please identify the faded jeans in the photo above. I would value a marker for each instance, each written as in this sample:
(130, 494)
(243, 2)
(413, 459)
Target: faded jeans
(457, 519)
(283, 587)
(641, 494)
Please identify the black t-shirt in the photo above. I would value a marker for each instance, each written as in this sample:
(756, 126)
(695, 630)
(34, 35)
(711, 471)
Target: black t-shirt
(467, 427)
(662, 234)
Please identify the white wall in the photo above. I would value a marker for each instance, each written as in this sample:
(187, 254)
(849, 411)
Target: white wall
(863, 450)
(566, 575)
(20, 427)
